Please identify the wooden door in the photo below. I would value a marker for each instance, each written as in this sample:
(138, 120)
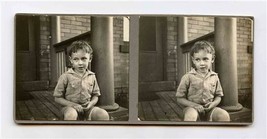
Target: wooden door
(151, 49)
(26, 48)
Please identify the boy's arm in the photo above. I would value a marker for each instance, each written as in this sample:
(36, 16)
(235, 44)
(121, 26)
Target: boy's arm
(213, 104)
(217, 99)
(95, 95)
(181, 95)
(92, 102)
(187, 103)
(62, 101)
(59, 93)
(65, 102)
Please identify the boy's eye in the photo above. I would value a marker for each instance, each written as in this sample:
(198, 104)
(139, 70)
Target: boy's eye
(206, 59)
(84, 58)
(197, 59)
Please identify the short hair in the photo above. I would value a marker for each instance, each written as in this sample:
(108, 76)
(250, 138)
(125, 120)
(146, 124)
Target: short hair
(202, 45)
(80, 45)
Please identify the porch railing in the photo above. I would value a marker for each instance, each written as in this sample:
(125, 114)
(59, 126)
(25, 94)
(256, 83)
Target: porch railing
(62, 49)
(186, 47)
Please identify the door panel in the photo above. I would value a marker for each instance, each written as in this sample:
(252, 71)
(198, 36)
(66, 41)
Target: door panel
(26, 67)
(151, 54)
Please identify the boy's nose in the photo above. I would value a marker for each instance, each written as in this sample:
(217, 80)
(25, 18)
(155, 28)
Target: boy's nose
(80, 62)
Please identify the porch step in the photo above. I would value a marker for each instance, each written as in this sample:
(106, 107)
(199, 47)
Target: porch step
(244, 115)
(120, 114)
(157, 86)
(32, 86)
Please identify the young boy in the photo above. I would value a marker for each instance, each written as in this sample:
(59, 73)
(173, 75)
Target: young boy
(77, 89)
(200, 90)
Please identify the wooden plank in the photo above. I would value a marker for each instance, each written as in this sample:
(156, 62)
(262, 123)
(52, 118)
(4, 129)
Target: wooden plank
(148, 112)
(171, 94)
(48, 96)
(34, 110)
(140, 112)
(50, 106)
(178, 110)
(25, 113)
(159, 113)
(168, 110)
(44, 110)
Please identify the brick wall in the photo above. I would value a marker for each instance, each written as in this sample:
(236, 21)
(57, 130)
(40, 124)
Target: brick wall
(244, 61)
(171, 52)
(74, 25)
(121, 60)
(199, 26)
(44, 47)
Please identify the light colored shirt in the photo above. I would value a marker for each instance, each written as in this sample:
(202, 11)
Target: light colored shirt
(75, 88)
(199, 89)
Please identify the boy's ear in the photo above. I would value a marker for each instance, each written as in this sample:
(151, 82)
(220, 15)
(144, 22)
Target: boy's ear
(213, 59)
(90, 58)
(70, 59)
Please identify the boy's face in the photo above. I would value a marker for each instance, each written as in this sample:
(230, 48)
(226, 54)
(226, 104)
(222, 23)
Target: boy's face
(202, 61)
(80, 61)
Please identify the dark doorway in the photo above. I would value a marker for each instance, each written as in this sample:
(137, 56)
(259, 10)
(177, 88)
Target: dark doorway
(27, 48)
(151, 41)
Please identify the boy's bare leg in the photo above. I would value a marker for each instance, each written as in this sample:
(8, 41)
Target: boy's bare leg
(220, 114)
(99, 114)
(70, 113)
(190, 114)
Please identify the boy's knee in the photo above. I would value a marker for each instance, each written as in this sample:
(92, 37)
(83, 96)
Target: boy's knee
(220, 115)
(99, 114)
(70, 114)
(190, 114)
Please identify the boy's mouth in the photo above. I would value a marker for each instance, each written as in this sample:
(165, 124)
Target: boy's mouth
(80, 68)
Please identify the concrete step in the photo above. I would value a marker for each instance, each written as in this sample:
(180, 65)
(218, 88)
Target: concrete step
(244, 115)
(121, 114)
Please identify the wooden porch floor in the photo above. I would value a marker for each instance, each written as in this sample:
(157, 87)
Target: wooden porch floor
(164, 108)
(40, 106)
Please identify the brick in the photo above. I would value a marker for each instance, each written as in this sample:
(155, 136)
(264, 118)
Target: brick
(198, 18)
(76, 23)
(76, 31)
(209, 19)
(62, 21)
(68, 17)
(203, 23)
(192, 22)
(65, 30)
(81, 19)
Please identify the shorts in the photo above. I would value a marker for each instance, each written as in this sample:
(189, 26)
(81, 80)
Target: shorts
(86, 115)
(207, 116)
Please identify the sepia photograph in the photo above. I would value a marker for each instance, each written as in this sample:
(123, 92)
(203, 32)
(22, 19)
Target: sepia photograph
(71, 67)
(133, 69)
(196, 68)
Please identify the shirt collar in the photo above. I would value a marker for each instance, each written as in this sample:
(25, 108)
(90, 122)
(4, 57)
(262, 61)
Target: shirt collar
(87, 72)
(193, 71)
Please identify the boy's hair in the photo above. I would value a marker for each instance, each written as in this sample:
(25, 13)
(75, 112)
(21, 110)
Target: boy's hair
(80, 45)
(202, 45)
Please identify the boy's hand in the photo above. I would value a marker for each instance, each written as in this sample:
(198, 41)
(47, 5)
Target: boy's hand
(199, 108)
(78, 108)
(89, 106)
(209, 106)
